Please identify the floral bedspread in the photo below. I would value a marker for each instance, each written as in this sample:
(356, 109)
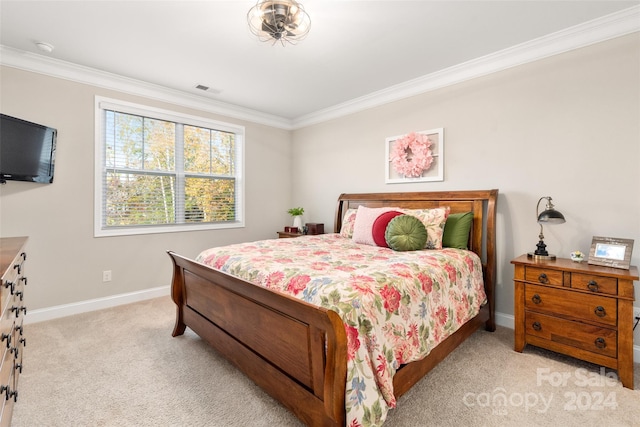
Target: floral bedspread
(396, 306)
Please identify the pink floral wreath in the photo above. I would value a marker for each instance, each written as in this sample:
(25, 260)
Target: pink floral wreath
(411, 155)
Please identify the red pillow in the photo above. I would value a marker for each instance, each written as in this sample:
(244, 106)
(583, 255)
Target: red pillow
(380, 226)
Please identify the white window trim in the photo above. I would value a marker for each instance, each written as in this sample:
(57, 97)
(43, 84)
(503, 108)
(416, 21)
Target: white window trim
(102, 103)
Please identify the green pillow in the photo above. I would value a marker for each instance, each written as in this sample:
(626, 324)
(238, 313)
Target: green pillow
(406, 233)
(456, 230)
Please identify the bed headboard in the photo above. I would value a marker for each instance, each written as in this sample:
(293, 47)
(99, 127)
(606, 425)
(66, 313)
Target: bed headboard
(481, 202)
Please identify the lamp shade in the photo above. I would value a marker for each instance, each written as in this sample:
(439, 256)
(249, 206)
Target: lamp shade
(551, 216)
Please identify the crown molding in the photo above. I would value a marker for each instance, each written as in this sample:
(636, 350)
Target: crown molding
(69, 71)
(611, 26)
(598, 30)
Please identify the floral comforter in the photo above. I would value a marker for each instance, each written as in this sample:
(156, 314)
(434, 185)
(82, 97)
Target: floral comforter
(396, 306)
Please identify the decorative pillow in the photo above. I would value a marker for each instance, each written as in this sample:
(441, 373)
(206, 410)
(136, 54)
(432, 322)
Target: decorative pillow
(380, 227)
(346, 230)
(406, 233)
(456, 230)
(362, 228)
(434, 221)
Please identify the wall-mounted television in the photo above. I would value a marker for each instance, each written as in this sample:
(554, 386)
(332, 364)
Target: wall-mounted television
(27, 150)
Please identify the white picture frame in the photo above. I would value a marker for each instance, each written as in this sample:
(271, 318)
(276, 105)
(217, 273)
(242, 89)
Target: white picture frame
(434, 173)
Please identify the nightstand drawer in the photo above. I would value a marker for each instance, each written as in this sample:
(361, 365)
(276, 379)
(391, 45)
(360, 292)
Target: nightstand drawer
(578, 306)
(543, 276)
(287, 235)
(588, 282)
(575, 334)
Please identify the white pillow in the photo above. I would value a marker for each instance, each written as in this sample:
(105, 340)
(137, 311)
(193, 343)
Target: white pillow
(363, 225)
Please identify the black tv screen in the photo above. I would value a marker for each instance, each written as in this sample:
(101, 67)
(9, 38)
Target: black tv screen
(27, 150)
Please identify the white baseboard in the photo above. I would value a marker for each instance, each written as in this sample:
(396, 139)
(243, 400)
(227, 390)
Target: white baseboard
(507, 320)
(64, 310)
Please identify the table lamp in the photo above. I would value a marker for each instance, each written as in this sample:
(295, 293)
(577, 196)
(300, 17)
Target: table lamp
(548, 216)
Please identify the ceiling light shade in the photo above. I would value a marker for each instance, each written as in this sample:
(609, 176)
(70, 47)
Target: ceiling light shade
(549, 216)
(279, 20)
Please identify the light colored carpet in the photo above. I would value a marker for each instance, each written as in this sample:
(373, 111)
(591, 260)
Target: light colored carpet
(121, 367)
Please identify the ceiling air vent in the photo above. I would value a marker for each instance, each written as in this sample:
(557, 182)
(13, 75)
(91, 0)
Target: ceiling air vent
(208, 89)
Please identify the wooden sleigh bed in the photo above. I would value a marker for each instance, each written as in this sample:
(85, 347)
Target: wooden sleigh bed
(297, 351)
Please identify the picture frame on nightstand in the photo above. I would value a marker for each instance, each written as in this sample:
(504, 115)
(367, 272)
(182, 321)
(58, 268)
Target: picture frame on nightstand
(611, 252)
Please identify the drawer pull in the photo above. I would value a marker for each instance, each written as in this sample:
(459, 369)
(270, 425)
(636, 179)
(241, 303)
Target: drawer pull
(19, 367)
(18, 267)
(600, 311)
(536, 299)
(10, 285)
(24, 279)
(600, 343)
(18, 310)
(536, 326)
(542, 278)
(593, 286)
(20, 294)
(8, 338)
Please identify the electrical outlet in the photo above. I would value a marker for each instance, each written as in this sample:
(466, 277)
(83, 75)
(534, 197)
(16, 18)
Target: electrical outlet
(106, 276)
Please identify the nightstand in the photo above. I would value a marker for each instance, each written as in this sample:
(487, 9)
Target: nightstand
(286, 234)
(581, 310)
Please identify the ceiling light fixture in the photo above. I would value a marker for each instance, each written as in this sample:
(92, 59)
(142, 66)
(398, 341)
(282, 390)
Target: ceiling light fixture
(279, 20)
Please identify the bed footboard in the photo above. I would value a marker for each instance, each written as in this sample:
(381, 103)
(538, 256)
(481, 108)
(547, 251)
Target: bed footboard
(293, 350)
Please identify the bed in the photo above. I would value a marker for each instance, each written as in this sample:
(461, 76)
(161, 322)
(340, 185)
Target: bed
(299, 351)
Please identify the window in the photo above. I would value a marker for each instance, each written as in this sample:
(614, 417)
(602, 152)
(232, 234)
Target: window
(159, 171)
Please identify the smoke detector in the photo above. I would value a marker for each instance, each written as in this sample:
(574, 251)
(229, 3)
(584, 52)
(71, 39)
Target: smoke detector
(44, 47)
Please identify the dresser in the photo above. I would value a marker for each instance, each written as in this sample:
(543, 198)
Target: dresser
(581, 310)
(12, 264)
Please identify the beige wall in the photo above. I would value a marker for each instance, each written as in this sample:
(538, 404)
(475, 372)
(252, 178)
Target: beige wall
(567, 127)
(65, 261)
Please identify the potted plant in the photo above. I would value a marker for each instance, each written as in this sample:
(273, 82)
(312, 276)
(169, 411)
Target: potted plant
(296, 213)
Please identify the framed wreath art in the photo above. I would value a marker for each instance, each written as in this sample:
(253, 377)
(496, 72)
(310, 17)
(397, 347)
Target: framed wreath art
(415, 157)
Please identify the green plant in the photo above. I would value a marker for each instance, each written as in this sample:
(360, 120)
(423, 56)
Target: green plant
(296, 211)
